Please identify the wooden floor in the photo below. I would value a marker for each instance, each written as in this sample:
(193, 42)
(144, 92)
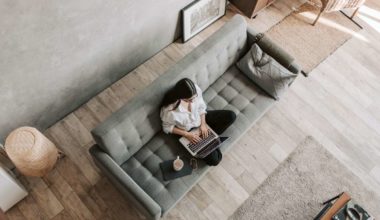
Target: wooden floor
(338, 104)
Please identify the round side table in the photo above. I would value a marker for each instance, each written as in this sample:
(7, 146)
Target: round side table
(30, 151)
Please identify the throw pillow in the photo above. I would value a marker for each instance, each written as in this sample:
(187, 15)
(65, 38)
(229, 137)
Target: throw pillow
(266, 72)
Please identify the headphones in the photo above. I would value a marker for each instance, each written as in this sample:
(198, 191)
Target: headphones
(352, 213)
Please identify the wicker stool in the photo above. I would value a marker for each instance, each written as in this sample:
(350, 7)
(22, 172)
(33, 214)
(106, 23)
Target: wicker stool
(31, 152)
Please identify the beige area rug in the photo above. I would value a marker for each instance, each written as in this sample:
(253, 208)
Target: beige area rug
(310, 45)
(310, 175)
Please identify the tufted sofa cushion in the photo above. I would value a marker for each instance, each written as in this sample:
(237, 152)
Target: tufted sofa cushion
(127, 130)
(144, 169)
(234, 91)
(231, 91)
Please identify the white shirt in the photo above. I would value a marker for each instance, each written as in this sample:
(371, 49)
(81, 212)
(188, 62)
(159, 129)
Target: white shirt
(181, 117)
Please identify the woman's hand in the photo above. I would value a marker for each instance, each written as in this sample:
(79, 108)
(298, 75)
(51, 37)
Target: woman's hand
(204, 130)
(192, 137)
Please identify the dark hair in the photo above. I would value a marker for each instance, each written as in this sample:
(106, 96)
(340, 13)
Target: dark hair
(183, 89)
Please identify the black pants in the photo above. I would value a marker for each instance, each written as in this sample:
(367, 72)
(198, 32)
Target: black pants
(219, 121)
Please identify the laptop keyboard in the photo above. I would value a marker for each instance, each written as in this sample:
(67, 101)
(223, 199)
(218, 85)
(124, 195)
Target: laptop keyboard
(207, 150)
(195, 147)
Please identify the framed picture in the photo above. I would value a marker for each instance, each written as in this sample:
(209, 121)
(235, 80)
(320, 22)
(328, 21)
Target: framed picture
(200, 14)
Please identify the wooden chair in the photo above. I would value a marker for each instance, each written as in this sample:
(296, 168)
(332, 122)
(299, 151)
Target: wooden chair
(337, 5)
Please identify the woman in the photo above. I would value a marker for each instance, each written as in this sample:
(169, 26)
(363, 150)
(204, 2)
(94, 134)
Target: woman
(183, 108)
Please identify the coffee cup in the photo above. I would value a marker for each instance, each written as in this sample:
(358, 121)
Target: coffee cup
(177, 164)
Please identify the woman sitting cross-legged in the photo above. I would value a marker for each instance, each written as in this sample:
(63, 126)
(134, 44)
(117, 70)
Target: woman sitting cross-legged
(183, 109)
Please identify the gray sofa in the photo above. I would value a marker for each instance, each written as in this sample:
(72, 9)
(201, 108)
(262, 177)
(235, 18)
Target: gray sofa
(131, 143)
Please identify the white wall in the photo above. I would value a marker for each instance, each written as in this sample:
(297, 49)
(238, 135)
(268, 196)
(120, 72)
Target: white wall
(55, 54)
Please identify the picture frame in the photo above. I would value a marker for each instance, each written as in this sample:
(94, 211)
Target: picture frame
(200, 14)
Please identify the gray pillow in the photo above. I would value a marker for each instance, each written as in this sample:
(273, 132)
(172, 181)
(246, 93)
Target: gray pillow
(266, 72)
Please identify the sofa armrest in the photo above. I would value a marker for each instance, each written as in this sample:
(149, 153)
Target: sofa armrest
(274, 50)
(125, 183)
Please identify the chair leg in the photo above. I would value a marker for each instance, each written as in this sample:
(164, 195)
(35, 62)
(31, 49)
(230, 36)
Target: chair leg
(315, 4)
(351, 17)
(316, 20)
(355, 12)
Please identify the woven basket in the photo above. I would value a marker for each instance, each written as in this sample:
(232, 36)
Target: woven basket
(31, 152)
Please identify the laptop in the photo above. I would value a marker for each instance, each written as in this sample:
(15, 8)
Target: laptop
(205, 146)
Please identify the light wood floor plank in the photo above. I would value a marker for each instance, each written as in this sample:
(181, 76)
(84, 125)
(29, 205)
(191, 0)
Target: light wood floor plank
(214, 212)
(99, 109)
(331, 132)
(30, 210)
(110, 99)
(234, 190)
(249, 163)
(77, 130)
(133, 82)
(285, 124)
(86, 117)
(270, 130)
(218, 194)
(258, 151)
(122, 92)
(14, 213)
(70, 199)
(192, 211)
(64, 215)
(358, 108)
(199, 197)
(80, 156)
(348, 129)
(232, 165)
(247, 181)
(47, 202)
(278, 153)
(118, 206)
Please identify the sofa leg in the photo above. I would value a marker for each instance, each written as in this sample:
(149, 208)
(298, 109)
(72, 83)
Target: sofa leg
(352, 17)
(305, 74)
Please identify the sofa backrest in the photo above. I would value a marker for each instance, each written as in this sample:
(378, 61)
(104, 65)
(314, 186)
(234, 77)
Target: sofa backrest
(131, 127)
